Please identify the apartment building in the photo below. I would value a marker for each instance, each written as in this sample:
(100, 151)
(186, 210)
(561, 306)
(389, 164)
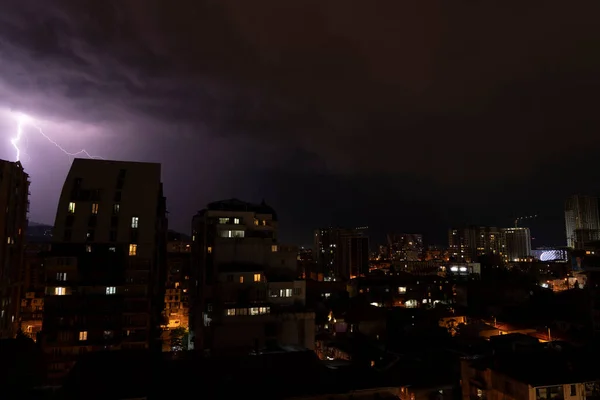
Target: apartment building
(14, 200)
(537, 375)
(105, 272)
(244, 292)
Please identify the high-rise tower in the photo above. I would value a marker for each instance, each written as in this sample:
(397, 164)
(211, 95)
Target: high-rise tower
(581, 220)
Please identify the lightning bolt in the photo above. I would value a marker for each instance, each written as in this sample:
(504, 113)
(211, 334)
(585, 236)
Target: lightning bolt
(24, 120)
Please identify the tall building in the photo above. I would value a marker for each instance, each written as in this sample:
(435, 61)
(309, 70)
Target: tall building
(341, 253)
(466, 244)
(105, 271)
(14, 201)
(518, 244)
(245, 294)
(405, 246)
(581, 220)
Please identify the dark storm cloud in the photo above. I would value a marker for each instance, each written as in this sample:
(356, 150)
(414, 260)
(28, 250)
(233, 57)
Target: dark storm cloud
(442, 95)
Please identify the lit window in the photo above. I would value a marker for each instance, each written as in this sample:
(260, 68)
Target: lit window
(61, 276)
(71, 208)
(83, 335)
(223, 220)
(274, 248)
(95, 208)
(60, 291)
(133, 249)
(256, 277)
(264, 223)
(88, 248)
(209, 249)
(116, 208)
(111, 290)
(231, 311)
(232, 234)
(236, 221)
(285, 292)
(241, 279)
(134, 222)
(255, 222)
(113, 249)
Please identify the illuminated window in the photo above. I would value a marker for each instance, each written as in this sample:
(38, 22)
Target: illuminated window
(241, 279)
(133, 249)
(112, 249)
(60, 291)
(134, 222)
(95, 208)
(83, 335)
(209, 249)
(236, 221)
(88, 248)
(223, 220)
(61, 276)
(255, 222)
(116, 208)
(232, 234)
(274, 248)
(71, 208)
(256, 277)
(111, 290)
(231, 311)
(285, 292)
(264, 223)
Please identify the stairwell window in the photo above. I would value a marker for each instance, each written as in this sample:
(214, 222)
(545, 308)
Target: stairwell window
(133, 249)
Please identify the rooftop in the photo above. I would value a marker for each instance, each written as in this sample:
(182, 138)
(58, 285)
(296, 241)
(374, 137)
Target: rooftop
(544, 367)
(239, 205)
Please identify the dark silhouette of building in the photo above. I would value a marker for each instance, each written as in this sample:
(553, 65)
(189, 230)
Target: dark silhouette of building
(14, 194)
(245, 291)
(105, 271)
(341, 253)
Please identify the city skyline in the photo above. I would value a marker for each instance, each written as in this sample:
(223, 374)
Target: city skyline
(363, 119)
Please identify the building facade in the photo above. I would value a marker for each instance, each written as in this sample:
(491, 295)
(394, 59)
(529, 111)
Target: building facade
(105, 272)
(236, 260)
(582, 220)
(405, 247)
(34, 281)
(14, 199)
(466, 244)
(517, 243)
(341, 253)
(176, 313)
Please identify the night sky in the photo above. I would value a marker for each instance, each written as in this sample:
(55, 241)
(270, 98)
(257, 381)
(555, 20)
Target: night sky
(407, 116)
